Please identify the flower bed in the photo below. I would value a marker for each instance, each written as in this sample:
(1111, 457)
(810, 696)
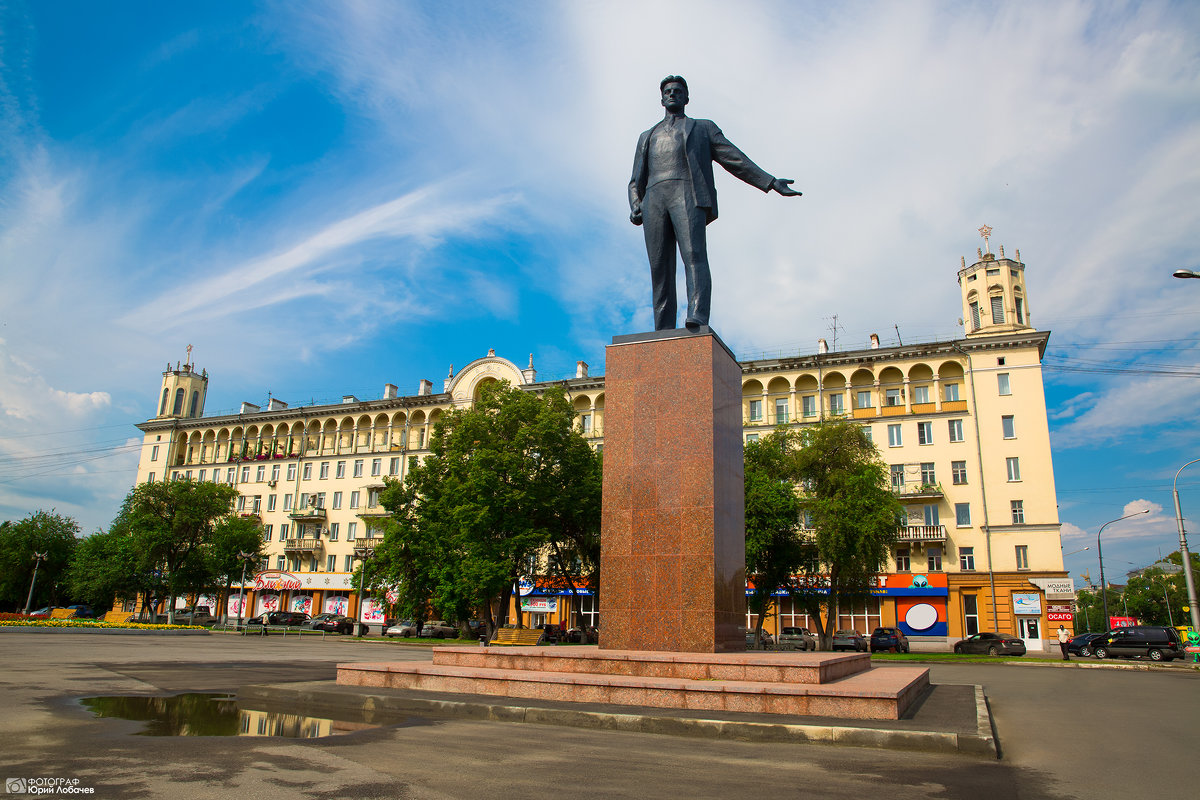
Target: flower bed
(28, 622)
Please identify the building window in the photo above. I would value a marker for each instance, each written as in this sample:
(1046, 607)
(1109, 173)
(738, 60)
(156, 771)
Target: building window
(1020, 303)
(320, 499)
(962, 515)
(257, 504)
(358, 467)
(178, 407)
(303, 500)
(394, 466)
(337, 500)
(903, 561)
(1022, 556)
(837, 404)
(928, 476)
(897, 476)
(924, 433)
(751, 437)
(974, 316)
(333, 535)
(781, 410)
(997, 301)
(862, 399)
(1018, 512)
(353, 501)
(154, 453)
(931, 514)
(966, 559)
(933, 558)
(267, 532)
(351, 531)
(332, 565)
(372, 498)
(920, 394)
(420, 438)
(324, 470)
(271, 501)
(260, 474)
(275, 472)
(283, 531)
(150, 478)
(162, 410)
(1014, 468)
(955, 426)
(1009, 427)
(202, 476)
(866, 429)
(1002, 383)
(291, 472)
(892, 397)
(229, 473)
(307, 473)
(970, 614)
(280, 563)
(894, 437)
(241, 502)
(341, 469)
(808, 405)
(756, 410)
(287, 502)
(958, 472)
(376, 467)
(951, 391)
(245, 474)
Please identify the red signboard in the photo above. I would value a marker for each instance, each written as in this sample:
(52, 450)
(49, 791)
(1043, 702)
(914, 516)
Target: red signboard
(1057, 612)
(277, 580)
(1122, 622)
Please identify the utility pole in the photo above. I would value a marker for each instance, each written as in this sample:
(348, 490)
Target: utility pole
(38, 558)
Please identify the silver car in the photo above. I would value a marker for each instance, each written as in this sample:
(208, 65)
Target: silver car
(796, 639)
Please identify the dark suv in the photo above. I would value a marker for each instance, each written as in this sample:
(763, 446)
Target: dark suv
(889, 639)
(280, 618)
(1157, 642)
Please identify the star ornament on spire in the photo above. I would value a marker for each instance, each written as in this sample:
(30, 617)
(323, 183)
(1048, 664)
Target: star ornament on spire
(985, 232)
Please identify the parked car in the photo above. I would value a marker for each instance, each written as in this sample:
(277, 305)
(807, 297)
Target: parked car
(850, 640)
(335, 623)
(796, 639)
(405, 628)
(83, 612)
(1156, 642)
(42, 612)
(187, 615)
(766, 639)
(288, 618)
(889, 640)
(438, 629)
(993, 644)
(1081, 645)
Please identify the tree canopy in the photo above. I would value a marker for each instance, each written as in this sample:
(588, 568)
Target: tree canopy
(505, 479)
(40, 532)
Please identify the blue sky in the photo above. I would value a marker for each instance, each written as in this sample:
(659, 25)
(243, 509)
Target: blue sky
(325, 197)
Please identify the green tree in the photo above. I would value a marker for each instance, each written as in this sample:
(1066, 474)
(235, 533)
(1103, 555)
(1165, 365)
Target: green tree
(775, 548)
(173, 523)
(40, 532)
(504, 479)
(223, 565)
(854, 517)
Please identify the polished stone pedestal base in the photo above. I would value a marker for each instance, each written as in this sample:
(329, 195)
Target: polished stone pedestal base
(672, 540)
(802, 684)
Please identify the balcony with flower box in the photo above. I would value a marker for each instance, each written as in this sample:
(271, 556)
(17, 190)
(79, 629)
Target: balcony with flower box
(913, 492)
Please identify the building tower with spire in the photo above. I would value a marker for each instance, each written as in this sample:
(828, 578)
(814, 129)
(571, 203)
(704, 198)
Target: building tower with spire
(183, 390)
(993, 292)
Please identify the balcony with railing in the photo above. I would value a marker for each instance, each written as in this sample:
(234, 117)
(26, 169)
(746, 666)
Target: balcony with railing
(921, 533)
(313, 514)
(304, 544)
(915, 492)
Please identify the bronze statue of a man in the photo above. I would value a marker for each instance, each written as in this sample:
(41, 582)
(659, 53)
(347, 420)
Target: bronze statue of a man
(672, 195)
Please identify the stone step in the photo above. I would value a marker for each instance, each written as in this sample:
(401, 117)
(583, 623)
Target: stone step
(874, 694)
(772, 667)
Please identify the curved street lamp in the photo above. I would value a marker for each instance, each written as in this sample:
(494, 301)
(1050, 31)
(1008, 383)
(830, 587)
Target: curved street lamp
(246, 559)
(1103, 585)
(1183, 551)
(1186, 273)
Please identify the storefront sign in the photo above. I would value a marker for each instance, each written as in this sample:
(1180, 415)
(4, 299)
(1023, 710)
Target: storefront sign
(902, 584)
(278, 580)
(550, 587)
(1055, 588)
(1058, 613)
(539, 604)
(1030, 603)
(1122, 622)
(274, 579)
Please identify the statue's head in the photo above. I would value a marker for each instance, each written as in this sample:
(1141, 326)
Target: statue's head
(674, 92)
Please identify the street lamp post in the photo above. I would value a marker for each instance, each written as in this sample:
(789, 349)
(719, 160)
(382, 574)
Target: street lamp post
(1163, 585)
(364, 554)
(38, 558)
(1100, 551)
(246, 558)
(1186, 273)
(1183, 551)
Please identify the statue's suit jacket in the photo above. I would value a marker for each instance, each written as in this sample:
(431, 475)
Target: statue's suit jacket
(704, 144)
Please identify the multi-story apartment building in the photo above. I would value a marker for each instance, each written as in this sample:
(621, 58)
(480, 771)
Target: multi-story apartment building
(961, 423)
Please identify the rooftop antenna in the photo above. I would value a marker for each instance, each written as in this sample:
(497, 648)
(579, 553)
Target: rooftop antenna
(898, 339)
(833, 330)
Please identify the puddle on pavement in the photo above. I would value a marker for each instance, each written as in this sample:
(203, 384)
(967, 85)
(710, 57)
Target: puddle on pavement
(212, 714)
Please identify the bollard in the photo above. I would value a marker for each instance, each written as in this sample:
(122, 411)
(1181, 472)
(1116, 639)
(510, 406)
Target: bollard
(483, 641)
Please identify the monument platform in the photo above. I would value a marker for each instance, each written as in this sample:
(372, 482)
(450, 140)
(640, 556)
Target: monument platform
(812, 684)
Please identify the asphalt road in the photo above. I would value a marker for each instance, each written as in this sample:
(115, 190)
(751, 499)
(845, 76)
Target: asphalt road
(1062, 732)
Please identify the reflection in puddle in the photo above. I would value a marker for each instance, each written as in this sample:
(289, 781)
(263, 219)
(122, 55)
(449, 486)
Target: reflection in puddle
(208, 714)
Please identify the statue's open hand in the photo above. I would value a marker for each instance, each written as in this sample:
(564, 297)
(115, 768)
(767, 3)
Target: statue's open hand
(783, 186)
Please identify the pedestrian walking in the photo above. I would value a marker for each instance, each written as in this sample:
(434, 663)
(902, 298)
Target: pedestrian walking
(1064, 639)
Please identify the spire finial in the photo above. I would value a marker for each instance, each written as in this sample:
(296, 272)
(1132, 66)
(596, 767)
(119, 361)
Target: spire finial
(189, 357)
(985, 232)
